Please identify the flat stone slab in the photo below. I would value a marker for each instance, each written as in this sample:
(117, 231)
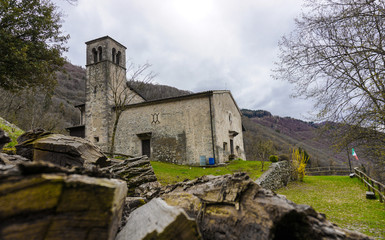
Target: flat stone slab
(158, 220)
(60, 206)
(370, 195)
(62, 150)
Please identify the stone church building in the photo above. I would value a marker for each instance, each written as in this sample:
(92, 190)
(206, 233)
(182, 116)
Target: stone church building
(190, 129)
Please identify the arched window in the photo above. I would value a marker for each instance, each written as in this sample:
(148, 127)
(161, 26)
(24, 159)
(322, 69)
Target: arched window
(118, 56)
(100, 53)
(95, 55)
(113, 55)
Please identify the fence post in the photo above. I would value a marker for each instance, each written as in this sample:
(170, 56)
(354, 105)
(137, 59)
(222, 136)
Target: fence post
(379, 189)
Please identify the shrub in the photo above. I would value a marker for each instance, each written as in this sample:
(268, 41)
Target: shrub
(273, 158)
(299, 161)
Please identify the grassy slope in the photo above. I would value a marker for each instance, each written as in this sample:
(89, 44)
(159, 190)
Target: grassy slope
(342, 200)
(13, 132)
(170, 173)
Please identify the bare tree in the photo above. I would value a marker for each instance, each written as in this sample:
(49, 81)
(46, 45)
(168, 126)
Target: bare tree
(259, 149)
(121, 94)
(264, 150)
(336, 57)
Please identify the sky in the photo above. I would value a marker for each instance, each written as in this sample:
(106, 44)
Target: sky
(196, 45)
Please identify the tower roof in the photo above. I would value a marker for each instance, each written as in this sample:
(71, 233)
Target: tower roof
(104, 38)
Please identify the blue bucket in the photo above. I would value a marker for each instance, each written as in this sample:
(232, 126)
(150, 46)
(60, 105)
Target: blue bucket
(202, 160)
(211, 161)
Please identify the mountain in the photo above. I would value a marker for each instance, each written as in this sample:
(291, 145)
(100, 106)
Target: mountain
(286, 133)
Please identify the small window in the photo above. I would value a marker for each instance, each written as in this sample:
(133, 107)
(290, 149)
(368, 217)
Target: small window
(113, 55)
(118, 56)
(224, 146)
(96, 139)
(95, 55)
(100, 52)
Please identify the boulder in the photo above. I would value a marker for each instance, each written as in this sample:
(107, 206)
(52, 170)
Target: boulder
(66, 151)
(157, 220)
(130, 205)
(235, 207)
(4, 139)
(139, 175)
(6, 159)
(55, 204)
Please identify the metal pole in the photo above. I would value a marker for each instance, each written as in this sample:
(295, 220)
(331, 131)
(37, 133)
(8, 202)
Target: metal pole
(350, 165)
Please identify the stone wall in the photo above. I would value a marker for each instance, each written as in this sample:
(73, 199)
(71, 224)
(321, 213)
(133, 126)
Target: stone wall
(179, 131)
(277, 176)
(228, 127)
(106, 78)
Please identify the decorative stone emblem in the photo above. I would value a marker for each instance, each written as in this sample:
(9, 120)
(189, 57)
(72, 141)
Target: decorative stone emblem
(155, 118)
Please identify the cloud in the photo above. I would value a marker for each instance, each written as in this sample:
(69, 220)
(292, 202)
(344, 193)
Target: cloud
(196, 45)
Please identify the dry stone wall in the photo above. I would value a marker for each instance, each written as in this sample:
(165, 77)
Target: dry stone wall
(277, 176)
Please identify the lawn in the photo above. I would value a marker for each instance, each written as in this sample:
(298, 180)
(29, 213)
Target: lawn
(168, 173)
(343, 201)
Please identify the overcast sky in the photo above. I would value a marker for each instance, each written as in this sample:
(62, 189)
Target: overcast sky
(196, 45)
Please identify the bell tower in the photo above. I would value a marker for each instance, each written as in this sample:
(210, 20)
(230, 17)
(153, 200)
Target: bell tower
(105, 66)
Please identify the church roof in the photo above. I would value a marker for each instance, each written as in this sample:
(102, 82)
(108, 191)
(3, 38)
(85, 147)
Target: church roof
(183, 97)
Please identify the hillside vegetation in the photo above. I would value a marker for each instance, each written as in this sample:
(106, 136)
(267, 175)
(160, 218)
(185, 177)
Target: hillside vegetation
(12, 131)
(343, 201)
(287, 133)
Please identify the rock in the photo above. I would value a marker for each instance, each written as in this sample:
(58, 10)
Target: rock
(139, 175)
(66, 151)
(130, 205)
(157, 220)
(4, 139)
(235, 207)
(6, 159)
(26, 142)
(59, 205)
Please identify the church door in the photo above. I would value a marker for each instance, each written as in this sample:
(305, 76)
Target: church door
(231, 146)
(146, 147)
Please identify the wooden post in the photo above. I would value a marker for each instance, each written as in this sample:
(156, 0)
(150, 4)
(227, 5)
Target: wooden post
(379, 189)
(350, 165)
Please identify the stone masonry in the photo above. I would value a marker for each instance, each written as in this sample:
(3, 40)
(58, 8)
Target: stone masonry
(180, 130)
(277, 176)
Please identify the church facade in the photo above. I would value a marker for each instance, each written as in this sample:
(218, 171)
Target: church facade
(192, 129)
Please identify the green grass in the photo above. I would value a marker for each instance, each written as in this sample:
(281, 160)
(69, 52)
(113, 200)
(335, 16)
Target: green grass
(168, 173)
(343, 201)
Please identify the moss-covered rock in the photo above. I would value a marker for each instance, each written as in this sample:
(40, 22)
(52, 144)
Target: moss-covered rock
(60, 206)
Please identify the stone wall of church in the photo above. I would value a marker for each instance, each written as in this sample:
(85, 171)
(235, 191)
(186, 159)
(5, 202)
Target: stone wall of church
(179, 131)
(97, 111)
(228, 127)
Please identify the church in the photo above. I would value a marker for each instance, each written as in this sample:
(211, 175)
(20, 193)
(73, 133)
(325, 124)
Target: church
(195, 129)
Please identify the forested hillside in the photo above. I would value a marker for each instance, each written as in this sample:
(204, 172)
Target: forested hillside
(51, 110)
(285, 133)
